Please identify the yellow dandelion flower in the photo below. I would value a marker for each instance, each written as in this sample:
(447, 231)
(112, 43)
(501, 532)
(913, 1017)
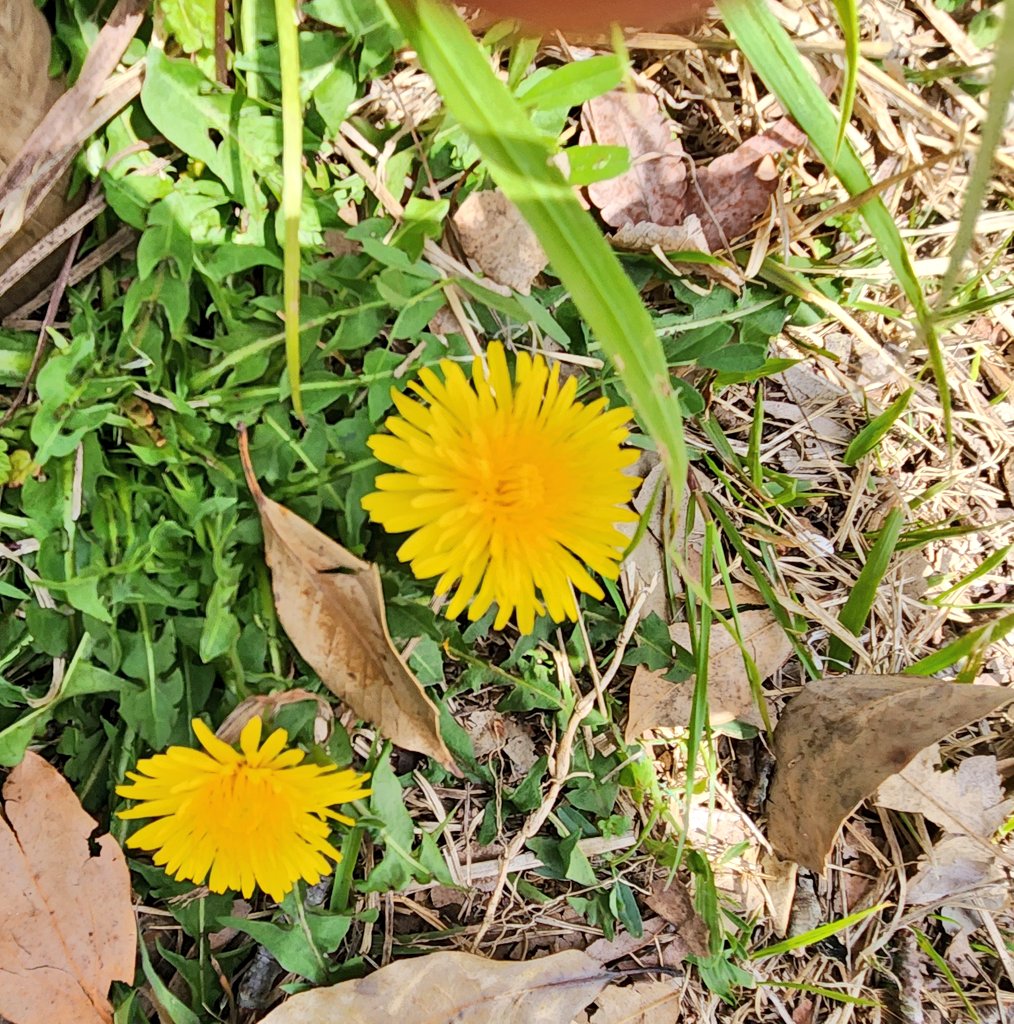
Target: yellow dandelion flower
(251, 817)
(509, 488)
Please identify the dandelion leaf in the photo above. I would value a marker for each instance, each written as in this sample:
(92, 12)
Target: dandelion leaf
(66, 918)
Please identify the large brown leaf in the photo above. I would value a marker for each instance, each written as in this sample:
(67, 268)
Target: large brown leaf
(332, 606)
(66, 919)
(839, 739)
(458, 987)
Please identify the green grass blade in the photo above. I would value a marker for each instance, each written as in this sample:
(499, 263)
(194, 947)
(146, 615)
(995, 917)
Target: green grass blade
(518, 158)
(873, 433)
(982, 171)
(941, 964)
(856, 610)
(771, 52)
(292, 186)
(969, 647)
(848, 15)
(817, 934)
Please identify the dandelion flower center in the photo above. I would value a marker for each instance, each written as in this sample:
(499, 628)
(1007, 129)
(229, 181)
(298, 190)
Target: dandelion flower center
(253, 817)
(509, 488)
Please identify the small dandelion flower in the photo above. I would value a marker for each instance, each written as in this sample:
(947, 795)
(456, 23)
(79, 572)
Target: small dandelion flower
(509, 488)
(251, 817)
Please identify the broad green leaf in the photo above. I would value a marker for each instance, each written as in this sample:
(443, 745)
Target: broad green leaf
(573, 84)
(190, 22)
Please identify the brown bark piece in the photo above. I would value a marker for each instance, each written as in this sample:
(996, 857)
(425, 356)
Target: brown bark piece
(494, 234)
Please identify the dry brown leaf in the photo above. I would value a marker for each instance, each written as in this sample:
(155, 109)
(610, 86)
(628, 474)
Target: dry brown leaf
(735, 189)
(967, 801)
(652, 190)
(494, 234)
(656, 703)
(332, 606)
(66, 919)
(459, 987)
(605, 951)
(674, 903)
(959, 869)
(596, 15)
(839, 739)
(643, 1002)
(657, 202)
(686, 237)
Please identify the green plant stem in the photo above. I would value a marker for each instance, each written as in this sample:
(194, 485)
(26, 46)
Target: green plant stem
(991, 138)
(292, 186)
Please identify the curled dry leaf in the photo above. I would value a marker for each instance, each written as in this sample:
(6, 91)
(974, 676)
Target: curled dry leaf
(261, 704)
(459, 987)
(66, 918)
(839, 739)
(332, 606)
(671, 901)
(494, 234)
(735, 189)
(656, 703)
(664, 200)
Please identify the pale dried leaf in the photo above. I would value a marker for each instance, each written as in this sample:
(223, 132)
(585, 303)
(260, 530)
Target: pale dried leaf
(968, 800)
(656, 703)
(674, 903)
(643, 1002)
(332, 606)
(839, 739)
(646, 562)
(959, 869)
(459, 987)
(605, 950)
(66, 918)
(494, 234)
(652, 190)
(686, 237)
